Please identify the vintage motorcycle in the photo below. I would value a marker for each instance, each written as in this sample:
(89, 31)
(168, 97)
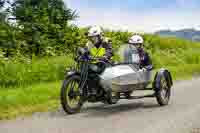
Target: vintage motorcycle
(96, 80)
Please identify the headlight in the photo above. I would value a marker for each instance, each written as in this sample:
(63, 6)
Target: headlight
(70, 73)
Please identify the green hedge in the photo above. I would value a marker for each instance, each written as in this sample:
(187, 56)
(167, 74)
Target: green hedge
(165, 52)
(38, 70)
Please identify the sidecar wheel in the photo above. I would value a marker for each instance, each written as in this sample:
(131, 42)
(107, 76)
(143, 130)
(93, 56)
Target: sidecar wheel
(163, 91)
(71, 104)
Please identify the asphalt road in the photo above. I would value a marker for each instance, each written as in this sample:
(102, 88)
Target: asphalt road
(182, 115)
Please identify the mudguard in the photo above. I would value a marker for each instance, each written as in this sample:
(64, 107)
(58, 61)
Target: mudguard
(70, 73)
(159, 74)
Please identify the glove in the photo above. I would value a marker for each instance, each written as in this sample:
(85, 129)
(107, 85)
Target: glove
(142, 70)
(149, 67)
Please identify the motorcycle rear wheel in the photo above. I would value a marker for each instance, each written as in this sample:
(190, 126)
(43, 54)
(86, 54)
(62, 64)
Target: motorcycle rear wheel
(112, 97)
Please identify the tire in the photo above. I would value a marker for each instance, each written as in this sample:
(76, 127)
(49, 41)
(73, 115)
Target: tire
(113, 97)
(65, 98)
(163, 90)
(128, 94)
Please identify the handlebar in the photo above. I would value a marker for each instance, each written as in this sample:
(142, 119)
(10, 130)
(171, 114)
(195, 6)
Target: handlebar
(91, 59)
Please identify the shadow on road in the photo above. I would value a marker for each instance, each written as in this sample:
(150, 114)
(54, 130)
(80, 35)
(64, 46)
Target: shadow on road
(101, 110)
(109, 110)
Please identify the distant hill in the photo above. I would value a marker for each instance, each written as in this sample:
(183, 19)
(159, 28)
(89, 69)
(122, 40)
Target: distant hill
(190, 34)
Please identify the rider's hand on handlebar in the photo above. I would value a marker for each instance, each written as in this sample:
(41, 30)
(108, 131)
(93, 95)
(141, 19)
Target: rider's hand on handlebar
(142, 69)
(104, 58)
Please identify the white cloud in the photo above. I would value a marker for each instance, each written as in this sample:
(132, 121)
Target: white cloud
(148, 22)
(68, 3)
(145, 22)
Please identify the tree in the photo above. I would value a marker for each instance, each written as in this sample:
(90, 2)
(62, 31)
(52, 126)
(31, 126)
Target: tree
(43, 23)
(2, 2)
(7, 37)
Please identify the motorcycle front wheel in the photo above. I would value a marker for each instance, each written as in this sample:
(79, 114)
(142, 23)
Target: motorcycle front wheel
(71, 99)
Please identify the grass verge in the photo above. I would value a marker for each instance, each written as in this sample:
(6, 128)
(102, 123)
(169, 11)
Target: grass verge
(43, 97)
(40, 97)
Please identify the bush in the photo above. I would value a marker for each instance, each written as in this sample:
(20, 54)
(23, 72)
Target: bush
(38, 70)
(165, 52)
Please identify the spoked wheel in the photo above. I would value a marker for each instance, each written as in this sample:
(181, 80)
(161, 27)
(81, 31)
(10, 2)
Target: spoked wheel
(113, 97)
(128, 94)
(164, 91)
(71, 99)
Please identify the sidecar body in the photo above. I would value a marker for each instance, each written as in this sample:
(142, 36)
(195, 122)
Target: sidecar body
(125, 78)
(126, 75)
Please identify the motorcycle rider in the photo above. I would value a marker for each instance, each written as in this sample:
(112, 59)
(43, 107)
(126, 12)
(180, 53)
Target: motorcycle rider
(145, 62)
(98, 47)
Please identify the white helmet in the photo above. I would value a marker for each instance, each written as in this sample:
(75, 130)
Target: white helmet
(136, 39)
(95, 31)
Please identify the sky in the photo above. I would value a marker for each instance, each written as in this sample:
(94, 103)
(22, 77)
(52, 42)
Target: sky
(137, 15)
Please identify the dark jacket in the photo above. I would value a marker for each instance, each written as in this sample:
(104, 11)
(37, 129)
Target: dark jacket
(145, 60)
(105, 43)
